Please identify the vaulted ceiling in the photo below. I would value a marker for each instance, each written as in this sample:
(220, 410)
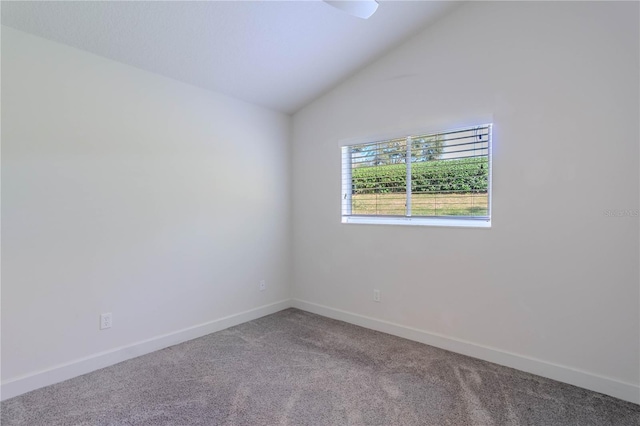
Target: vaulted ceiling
(278, 54)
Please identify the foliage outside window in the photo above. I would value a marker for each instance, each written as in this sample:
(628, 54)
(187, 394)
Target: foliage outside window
(431, 179)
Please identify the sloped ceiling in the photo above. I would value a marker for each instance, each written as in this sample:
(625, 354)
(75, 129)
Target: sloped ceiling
(278, 54)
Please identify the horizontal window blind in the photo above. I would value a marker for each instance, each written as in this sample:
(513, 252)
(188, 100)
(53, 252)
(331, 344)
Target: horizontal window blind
(431, 175)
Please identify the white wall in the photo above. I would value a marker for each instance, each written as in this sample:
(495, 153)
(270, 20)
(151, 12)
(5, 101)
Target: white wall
(130, 193)
(555, 281)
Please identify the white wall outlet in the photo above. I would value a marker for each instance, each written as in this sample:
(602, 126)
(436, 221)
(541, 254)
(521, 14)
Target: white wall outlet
(262, 286)
(105, 321)
(376, 295)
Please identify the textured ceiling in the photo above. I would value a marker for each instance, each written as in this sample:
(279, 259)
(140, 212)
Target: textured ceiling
(278, 54)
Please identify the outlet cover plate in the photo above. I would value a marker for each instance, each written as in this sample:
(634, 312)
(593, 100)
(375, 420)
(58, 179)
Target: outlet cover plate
(106, 320)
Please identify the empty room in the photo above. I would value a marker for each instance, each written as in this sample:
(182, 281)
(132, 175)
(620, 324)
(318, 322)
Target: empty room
(320, 213)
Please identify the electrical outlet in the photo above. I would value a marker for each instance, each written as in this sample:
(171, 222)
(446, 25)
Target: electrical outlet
(106, 321)
(376, 295)
(262, 286)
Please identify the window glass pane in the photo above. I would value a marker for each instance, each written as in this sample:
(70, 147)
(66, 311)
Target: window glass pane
(379, 178)
(454, 187)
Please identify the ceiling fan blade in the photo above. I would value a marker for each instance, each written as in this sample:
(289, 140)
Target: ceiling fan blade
(360, 8)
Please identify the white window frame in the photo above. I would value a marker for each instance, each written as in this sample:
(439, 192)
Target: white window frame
(444, 221)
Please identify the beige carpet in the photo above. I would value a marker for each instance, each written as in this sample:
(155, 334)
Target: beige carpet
(296, 368)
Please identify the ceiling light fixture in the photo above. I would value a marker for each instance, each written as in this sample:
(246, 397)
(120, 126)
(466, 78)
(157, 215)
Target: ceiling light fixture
(360, 8)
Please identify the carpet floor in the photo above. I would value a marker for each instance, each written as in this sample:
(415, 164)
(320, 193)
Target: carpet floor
(296, 368)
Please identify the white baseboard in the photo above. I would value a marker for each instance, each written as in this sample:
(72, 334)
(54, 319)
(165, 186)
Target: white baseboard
(20, 385)
(625, 391)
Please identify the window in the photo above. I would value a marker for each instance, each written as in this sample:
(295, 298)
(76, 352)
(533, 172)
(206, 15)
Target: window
(424, 179)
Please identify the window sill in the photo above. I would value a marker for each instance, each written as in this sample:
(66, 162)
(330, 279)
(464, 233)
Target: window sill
(418, 221)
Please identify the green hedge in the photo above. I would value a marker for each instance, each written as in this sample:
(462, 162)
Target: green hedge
(461, 175)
